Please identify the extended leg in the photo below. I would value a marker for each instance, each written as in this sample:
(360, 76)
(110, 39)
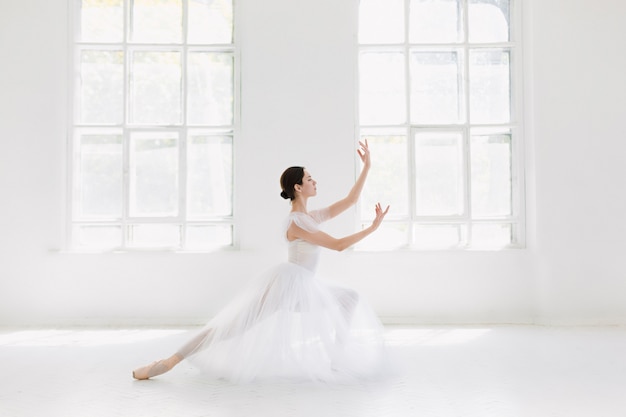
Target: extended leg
(244, 320)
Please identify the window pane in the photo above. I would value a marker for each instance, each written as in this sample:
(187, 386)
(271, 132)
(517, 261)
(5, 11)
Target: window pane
(154, 174)
(210, 21)
(491, 175)
(210, 89)
(100, 186)
(387, 180)
(381, 21)
(491, 235)
(101, 21)
(210, 176)
(155, 88)
(439, 174)
(490, 86)
(154, 236)
(382, 88)
(435, 21)
(389, 236)
(101, 87)
(439, 236)
(206, 237)
(157, 21)
(489, 20)
(97, 237)
(436, 91)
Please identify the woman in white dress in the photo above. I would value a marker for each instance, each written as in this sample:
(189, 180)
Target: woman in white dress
(289, 323)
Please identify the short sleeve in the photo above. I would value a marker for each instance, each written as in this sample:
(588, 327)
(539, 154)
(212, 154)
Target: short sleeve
(309, 222)
(321, 215)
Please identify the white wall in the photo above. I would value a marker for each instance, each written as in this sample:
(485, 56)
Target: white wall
(580, 151)
(298, 108)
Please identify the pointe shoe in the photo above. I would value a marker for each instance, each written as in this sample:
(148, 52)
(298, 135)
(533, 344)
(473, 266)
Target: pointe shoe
(154, 369)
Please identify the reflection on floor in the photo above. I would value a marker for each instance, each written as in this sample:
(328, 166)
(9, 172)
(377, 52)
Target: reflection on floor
(497, 371)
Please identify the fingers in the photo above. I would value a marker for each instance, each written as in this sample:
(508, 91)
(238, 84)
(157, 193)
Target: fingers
(364, 152)
(379, 209)
(380, 215)
(364, 147)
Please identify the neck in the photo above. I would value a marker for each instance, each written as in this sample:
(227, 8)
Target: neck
(299, 204)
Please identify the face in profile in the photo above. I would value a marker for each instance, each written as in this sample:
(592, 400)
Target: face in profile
(309, 185)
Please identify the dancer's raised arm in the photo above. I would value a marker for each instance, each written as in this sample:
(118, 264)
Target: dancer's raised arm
(353, 196)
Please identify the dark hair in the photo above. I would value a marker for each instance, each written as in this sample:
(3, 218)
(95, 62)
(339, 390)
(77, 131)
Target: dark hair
(291, 176)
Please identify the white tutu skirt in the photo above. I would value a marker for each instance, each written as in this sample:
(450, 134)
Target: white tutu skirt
(290, 325)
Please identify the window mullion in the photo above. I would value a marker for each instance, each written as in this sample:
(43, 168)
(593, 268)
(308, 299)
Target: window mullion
(182, 183)
(407, 126)
(467, 169)
(517, 134)
(125, 187)
(184, 132)
(125, 227)
(70, 165)
(467, 174)
(410, 132)
(128, 20)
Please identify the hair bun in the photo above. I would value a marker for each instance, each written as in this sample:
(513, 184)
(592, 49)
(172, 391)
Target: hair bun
(284, 195)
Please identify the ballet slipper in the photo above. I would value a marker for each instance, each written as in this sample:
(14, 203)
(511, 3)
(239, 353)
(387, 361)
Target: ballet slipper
(156, 368)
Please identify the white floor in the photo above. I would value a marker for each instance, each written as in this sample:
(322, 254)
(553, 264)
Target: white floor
(450, 371)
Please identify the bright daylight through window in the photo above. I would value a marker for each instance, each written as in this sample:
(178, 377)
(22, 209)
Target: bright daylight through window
(153, 121)
(438, 94)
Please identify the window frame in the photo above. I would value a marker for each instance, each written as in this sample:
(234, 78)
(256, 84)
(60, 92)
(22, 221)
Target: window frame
(184, 131)
(517, 217)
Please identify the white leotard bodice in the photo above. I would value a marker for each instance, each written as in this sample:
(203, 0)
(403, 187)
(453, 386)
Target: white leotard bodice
(300, 251)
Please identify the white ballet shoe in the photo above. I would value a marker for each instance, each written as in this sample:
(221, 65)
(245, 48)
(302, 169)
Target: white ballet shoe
(155, 368)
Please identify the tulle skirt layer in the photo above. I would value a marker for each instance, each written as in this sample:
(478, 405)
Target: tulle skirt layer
(290, 325)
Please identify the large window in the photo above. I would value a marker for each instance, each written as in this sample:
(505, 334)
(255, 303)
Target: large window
(438, 94)
(153, 124)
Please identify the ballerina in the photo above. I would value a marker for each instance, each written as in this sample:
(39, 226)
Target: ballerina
(290, 323)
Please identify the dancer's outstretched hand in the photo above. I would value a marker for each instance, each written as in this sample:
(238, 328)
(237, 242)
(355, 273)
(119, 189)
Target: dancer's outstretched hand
(364, 153)
(380, 215)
